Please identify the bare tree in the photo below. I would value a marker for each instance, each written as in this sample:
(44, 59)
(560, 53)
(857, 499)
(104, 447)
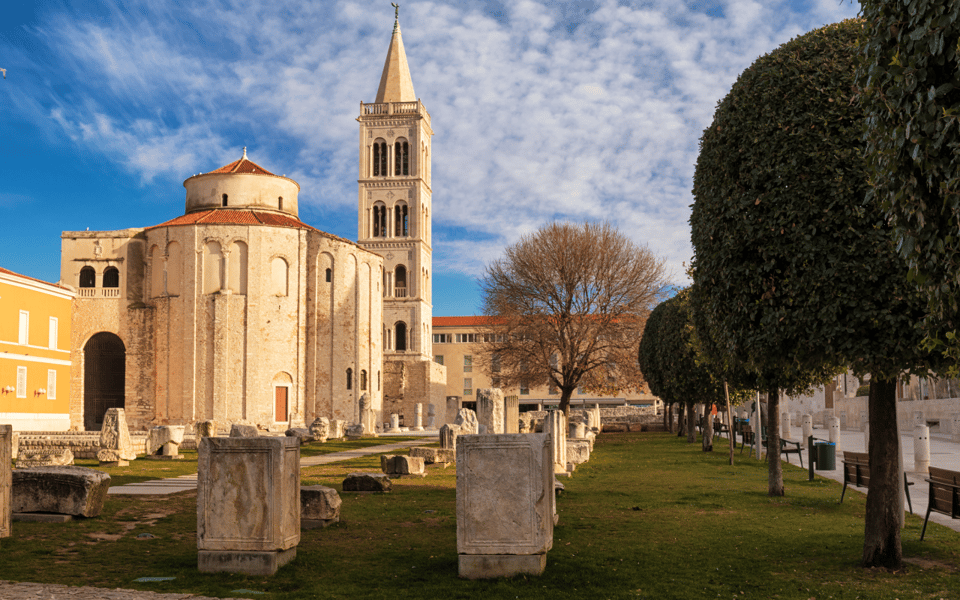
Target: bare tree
(566, 308)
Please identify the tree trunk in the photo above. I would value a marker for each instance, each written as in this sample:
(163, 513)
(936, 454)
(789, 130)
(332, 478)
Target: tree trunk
(707, 428)
(681, 415)
(691, 424)
(565, 395)
(733, 444)
(881, 542)
(774, 468)
(667, 421)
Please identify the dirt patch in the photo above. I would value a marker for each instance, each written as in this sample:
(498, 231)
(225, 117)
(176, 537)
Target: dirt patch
(925, 563)
(105, 537)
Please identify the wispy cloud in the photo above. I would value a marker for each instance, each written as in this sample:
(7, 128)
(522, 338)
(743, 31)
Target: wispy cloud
(541, 111)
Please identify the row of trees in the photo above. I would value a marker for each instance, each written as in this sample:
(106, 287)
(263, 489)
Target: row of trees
(799, 268)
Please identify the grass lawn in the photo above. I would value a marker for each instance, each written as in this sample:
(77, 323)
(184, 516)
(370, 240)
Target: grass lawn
(648, 517)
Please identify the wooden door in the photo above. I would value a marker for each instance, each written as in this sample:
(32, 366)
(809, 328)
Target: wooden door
(281, 404)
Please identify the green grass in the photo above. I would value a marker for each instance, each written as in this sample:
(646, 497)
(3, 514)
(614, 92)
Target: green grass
(648, 517)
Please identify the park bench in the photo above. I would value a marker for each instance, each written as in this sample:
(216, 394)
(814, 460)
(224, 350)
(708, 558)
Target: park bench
(788, 447)
(856, 472)
(944, 496)
(719, 428)
(746, 436)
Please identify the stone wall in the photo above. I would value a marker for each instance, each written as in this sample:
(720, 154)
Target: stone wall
(83, 444)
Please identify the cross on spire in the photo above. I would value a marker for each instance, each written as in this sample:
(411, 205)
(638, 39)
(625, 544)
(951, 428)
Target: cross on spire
(396, 16)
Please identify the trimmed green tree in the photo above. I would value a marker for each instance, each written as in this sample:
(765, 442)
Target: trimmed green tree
(799, 274)
(910, 78)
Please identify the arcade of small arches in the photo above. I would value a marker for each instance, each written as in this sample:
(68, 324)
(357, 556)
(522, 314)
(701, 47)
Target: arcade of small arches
(381, 158)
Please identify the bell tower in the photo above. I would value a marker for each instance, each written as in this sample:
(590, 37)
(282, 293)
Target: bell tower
(395, 205)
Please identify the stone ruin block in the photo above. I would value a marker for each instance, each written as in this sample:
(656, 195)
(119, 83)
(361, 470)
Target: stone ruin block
(302, 434)
(243, 430)
(248, 504)
(367, 482)
(6, 480)
(467, 420)
(319, 506)
(115, 439)
(555, 426)
(417, 417)
(76, 491)
(164, 441)
(401, 466)
(48, 457)
(448, 436)
(206, 428)
(337, 427)
(394, 424)
(320, 428)
(578, 451)
(505, 504)
(490, 410)
(434, 455)
(511, 414)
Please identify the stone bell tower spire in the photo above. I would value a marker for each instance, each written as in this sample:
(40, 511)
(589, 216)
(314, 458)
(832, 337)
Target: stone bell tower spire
(395, 204)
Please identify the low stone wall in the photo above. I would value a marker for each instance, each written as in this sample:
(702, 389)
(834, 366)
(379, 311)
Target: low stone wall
(614, 418)
(83, 444)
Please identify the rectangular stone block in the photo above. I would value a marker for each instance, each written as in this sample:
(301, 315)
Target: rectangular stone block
(511, 414)
(65, 490)
(578, 451)
(248, 495)
(490, 409)
(480, 566)
(249, 563)
(555, 425)
(6, 479)
(504, 494)
(434, 455)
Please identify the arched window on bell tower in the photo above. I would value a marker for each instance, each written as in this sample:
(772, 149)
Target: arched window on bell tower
(401, 153)
(379, 220)
(379, 158)
(402, 217)
(400, 282)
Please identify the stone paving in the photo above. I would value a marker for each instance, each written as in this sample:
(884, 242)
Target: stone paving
(11, 590)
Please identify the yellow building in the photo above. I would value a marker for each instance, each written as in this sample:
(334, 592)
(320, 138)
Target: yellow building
(34, 353)
(457, 344)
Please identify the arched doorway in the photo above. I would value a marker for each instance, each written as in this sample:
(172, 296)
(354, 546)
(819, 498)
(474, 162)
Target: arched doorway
(104, 376)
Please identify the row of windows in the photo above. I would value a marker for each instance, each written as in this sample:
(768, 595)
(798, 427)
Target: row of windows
(401, 220)
(401, 158)
(466, 338)
(225, 201)
(363, 380)
(51, 390)
(23, 333)
(88, 277)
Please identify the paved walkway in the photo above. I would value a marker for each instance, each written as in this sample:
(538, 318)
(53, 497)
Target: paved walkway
(944, 453)
(189, 482)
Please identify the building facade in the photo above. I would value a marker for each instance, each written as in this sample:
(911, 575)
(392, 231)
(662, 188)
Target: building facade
(35, 360)
(458, 343)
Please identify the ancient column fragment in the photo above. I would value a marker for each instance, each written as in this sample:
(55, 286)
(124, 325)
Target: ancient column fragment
(490, 409)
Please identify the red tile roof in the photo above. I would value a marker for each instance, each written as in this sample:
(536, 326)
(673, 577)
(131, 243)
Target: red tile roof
(460, 321)
(234, 216)
(243, 165)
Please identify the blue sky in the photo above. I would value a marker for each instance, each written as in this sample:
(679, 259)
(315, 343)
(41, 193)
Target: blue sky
(576, 110)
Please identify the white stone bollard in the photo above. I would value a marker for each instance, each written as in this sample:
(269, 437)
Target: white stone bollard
(955, 428)
(490, 409)
(786, 426)
(918, 418)
(921, 449)
(394, 423)
(833, 427)
(418, 417)
(554, 424)
(807, 426)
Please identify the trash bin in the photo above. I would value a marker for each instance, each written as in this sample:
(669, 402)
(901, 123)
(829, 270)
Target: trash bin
(826, 456)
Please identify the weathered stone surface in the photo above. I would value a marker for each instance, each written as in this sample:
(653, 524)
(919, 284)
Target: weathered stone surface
(162, 435)
(576, 430)
(448, 436)
(480, 566)
(367, 482)
(44, 458)
(337, 427)
(75, 491)
(15, 445)
(431, 417)
(111, 458)
(246, 562)
(243, 430)
(248, 500)
(6, 479)
(368, 416)
(490, 410)
(302, 434)
(554, 425)
(417, 417)
(398, 464)
(511, 414)
(206, 428)
(505, 495)
(320, 428)
(114, 434)
(467, 420)
(578, 451)
(319, 506)
(434, 455)
(394, 424)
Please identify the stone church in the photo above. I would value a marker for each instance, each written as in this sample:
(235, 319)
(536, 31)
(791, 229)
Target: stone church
(239, 311)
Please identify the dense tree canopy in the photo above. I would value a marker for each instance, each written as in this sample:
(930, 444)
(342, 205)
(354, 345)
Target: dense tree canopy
(798, 269)
(911, 82)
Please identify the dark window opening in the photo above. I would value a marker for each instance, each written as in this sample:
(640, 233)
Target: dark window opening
(223, 200)
(379, 221)
(402, 227)
(349, 379)
(402, 158)
(401, 336)
(88, 277)
(363, 381)
(329, 275)
(379, 159)
(111, 278)
(280, 202)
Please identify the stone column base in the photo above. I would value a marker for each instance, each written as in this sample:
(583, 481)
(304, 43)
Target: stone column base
(488, 566)
(250, 563)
